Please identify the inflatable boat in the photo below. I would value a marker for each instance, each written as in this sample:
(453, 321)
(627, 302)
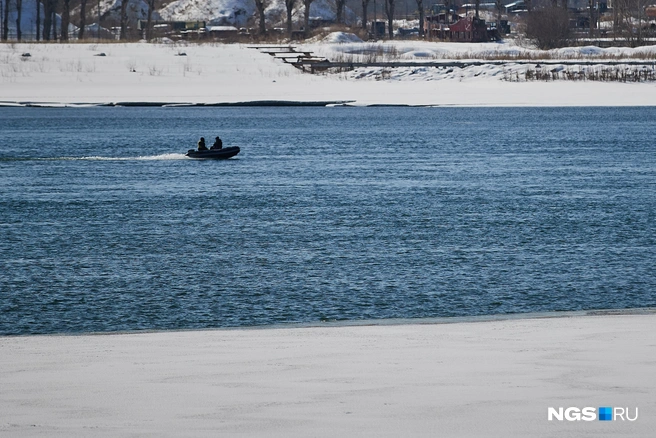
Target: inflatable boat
(214, 154)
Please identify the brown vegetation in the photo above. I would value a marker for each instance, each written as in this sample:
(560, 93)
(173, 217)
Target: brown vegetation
(549, 27)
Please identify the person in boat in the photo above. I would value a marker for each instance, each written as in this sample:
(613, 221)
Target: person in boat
(218, 144)
(201, 144)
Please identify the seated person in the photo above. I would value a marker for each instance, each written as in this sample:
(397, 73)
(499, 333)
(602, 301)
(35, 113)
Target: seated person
(218, 144)
(201, 144)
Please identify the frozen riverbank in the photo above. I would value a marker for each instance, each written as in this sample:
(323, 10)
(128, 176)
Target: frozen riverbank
(495, 379)
(57, 74)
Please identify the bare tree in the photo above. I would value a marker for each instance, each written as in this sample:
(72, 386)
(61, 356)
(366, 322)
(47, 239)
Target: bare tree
(261, 5)
(47, 16)
(124, 20)
(53, 20)
(420, 7)
(83, 19)
(5, 21)
(49, 8)
(38, 20)
(591, 4)
(640, 12)
(625, 13)
(290, 5)
(149, 20)
(617, 13)
(389, 11)
(19, 13)
(365, 4)
(549, 27)
(65, 20)
(306, 17)
(339, 7)
(499, 6)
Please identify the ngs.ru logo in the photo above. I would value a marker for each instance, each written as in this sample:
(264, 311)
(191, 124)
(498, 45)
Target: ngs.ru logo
(590, 414)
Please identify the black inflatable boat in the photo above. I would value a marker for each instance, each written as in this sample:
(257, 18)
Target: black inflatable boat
(214, 154)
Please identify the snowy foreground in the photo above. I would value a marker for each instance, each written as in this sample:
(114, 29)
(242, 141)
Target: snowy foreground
(218, 73)
(481, 379)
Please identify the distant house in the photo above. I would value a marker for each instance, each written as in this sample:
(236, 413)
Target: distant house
(164, 27)
(222, 32)
(316, 22)
(516, 7)
(651, 12)
(467, 7)
(468, 29)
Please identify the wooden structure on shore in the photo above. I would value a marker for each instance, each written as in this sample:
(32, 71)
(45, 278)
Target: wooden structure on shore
(344, 66)
(303, 60)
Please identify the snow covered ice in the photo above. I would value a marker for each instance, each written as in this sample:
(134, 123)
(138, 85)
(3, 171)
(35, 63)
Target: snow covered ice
(224, 73)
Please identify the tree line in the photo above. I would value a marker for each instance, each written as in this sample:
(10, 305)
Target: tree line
(548, 22)
(46, 26)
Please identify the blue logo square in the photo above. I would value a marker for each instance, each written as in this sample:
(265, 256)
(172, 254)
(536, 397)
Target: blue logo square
(605, 414)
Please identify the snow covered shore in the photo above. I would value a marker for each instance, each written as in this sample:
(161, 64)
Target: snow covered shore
(218, 73)
(492, 379)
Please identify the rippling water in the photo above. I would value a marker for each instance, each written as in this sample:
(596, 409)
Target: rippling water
(326, 214)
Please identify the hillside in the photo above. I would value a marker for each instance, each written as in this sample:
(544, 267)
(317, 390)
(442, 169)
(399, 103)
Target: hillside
(239, 13)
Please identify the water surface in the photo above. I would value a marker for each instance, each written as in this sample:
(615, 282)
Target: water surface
(326, 214)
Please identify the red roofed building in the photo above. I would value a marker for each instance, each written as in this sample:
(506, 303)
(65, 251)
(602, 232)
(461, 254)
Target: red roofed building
(468, 29)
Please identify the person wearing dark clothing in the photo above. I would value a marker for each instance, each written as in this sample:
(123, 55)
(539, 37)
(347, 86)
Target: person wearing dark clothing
(201, 144)
(218, 144)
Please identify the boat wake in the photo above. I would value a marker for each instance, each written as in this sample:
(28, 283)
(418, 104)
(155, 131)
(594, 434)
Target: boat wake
(161, 157)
